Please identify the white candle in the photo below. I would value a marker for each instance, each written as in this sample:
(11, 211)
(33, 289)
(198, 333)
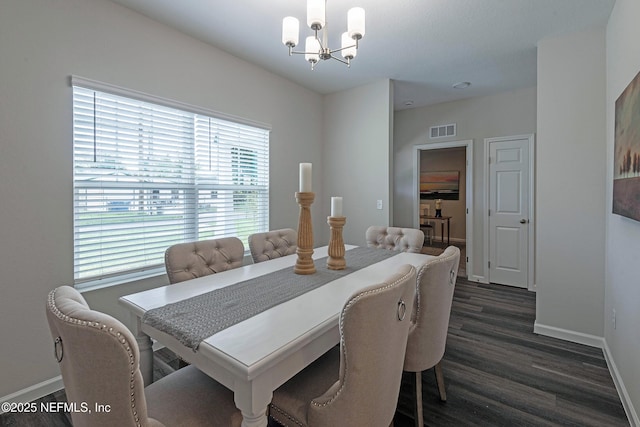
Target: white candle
(336, 206)
(305, 177)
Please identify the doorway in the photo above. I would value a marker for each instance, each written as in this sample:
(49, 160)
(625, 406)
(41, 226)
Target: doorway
(509, 225)
(462, 216)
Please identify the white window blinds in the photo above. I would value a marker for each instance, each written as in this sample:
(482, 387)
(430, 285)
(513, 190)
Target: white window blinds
(147, 176)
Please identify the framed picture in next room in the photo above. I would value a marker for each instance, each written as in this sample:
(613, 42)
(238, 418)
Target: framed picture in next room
(626, 156)
(440, 185)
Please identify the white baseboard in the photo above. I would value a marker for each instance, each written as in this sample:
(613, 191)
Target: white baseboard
(476, 278)
(436, 239)
(632, 415)
(567, 335)
(34, 392)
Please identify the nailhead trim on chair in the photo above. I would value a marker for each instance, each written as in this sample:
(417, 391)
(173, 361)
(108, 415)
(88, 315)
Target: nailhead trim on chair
(346, 308)
(112, 332)
(287, 416)
(421, 273)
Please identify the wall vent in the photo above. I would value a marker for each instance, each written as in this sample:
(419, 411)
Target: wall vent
(442, 131)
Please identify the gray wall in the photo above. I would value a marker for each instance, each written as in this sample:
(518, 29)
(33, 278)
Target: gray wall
(509, 113)
(570, 184)
(357, 157)
(42, 43)
(622, 269)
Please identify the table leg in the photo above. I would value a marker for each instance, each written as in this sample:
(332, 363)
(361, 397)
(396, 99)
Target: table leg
(448, 232)
(146, 351)
(442, 231)
(253, 401)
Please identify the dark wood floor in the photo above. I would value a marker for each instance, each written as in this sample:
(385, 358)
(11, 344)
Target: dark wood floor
(497, 372)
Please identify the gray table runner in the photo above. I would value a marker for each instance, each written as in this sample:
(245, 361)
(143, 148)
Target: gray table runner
(197, 318)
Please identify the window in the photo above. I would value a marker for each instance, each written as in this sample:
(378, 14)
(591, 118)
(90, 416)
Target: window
(147, 176)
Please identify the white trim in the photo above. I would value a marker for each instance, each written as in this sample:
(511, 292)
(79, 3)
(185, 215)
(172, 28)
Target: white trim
(120, 279)
(142, 96)
(632, 415)
(34, 392)
(436, 238)
(532, 223)
(567, 335)
(468, 144)
(476, 278)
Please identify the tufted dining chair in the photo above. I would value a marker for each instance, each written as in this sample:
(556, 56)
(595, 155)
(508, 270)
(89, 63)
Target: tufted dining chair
(357, 383)
(395, 238)
(273, 244)
(190, 260)
(99, 360)
(430, 322)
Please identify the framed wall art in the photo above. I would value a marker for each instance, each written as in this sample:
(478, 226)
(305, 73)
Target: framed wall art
(440, 185)
(626, 156)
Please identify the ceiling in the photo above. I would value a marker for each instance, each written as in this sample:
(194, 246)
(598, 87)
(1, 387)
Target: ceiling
(424, 46)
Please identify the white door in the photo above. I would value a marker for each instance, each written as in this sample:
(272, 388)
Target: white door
(509, 211)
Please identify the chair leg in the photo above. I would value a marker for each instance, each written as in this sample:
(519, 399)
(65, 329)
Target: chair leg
(440, 382)
(417, 412)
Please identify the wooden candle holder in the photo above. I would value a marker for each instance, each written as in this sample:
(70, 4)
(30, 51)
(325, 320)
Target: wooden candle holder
(304, 263)
(336, 244)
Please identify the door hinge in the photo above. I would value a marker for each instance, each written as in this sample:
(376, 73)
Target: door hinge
(467, 259)
(467, 210)
(489, 159)
(489, 264)
(489, 212)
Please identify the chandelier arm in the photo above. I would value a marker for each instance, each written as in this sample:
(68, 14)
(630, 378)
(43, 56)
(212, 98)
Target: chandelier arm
(346, 47)
(340, 60)
(297, 52)
(322, 47)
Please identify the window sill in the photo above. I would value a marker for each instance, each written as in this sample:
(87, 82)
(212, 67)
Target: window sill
(119, 280)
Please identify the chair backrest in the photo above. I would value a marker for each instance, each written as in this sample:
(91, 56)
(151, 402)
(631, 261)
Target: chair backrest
(99, 361)
(395, 238)
(374, 324)
(185, 261)
(273, 244)
(432, 309)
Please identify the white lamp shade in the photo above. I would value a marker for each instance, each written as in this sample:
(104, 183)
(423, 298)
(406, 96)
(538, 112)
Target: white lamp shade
(355, 22)
(312, 49)
(315, 14)
(290, 31)
(348, 46)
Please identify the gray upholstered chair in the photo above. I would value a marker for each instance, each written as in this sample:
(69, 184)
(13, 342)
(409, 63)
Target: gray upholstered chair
(99, 360)
(185, 261)
(357, 383)
(430, 321)
(395, 238)
(273, 244)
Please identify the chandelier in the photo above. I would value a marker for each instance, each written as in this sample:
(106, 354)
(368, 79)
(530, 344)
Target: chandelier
(315, 48)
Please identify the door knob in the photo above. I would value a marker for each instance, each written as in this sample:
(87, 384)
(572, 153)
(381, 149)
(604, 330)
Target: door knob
(523, 221)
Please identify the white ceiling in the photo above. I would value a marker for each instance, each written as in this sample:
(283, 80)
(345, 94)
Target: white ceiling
(425, 46)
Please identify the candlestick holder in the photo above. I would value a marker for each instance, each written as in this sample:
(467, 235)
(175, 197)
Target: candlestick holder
(336, 244)
(304, 263)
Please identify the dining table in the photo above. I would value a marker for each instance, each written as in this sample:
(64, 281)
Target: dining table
(255, 355)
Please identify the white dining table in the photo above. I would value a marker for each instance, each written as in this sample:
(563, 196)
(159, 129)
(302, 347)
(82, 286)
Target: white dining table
(254, 357)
